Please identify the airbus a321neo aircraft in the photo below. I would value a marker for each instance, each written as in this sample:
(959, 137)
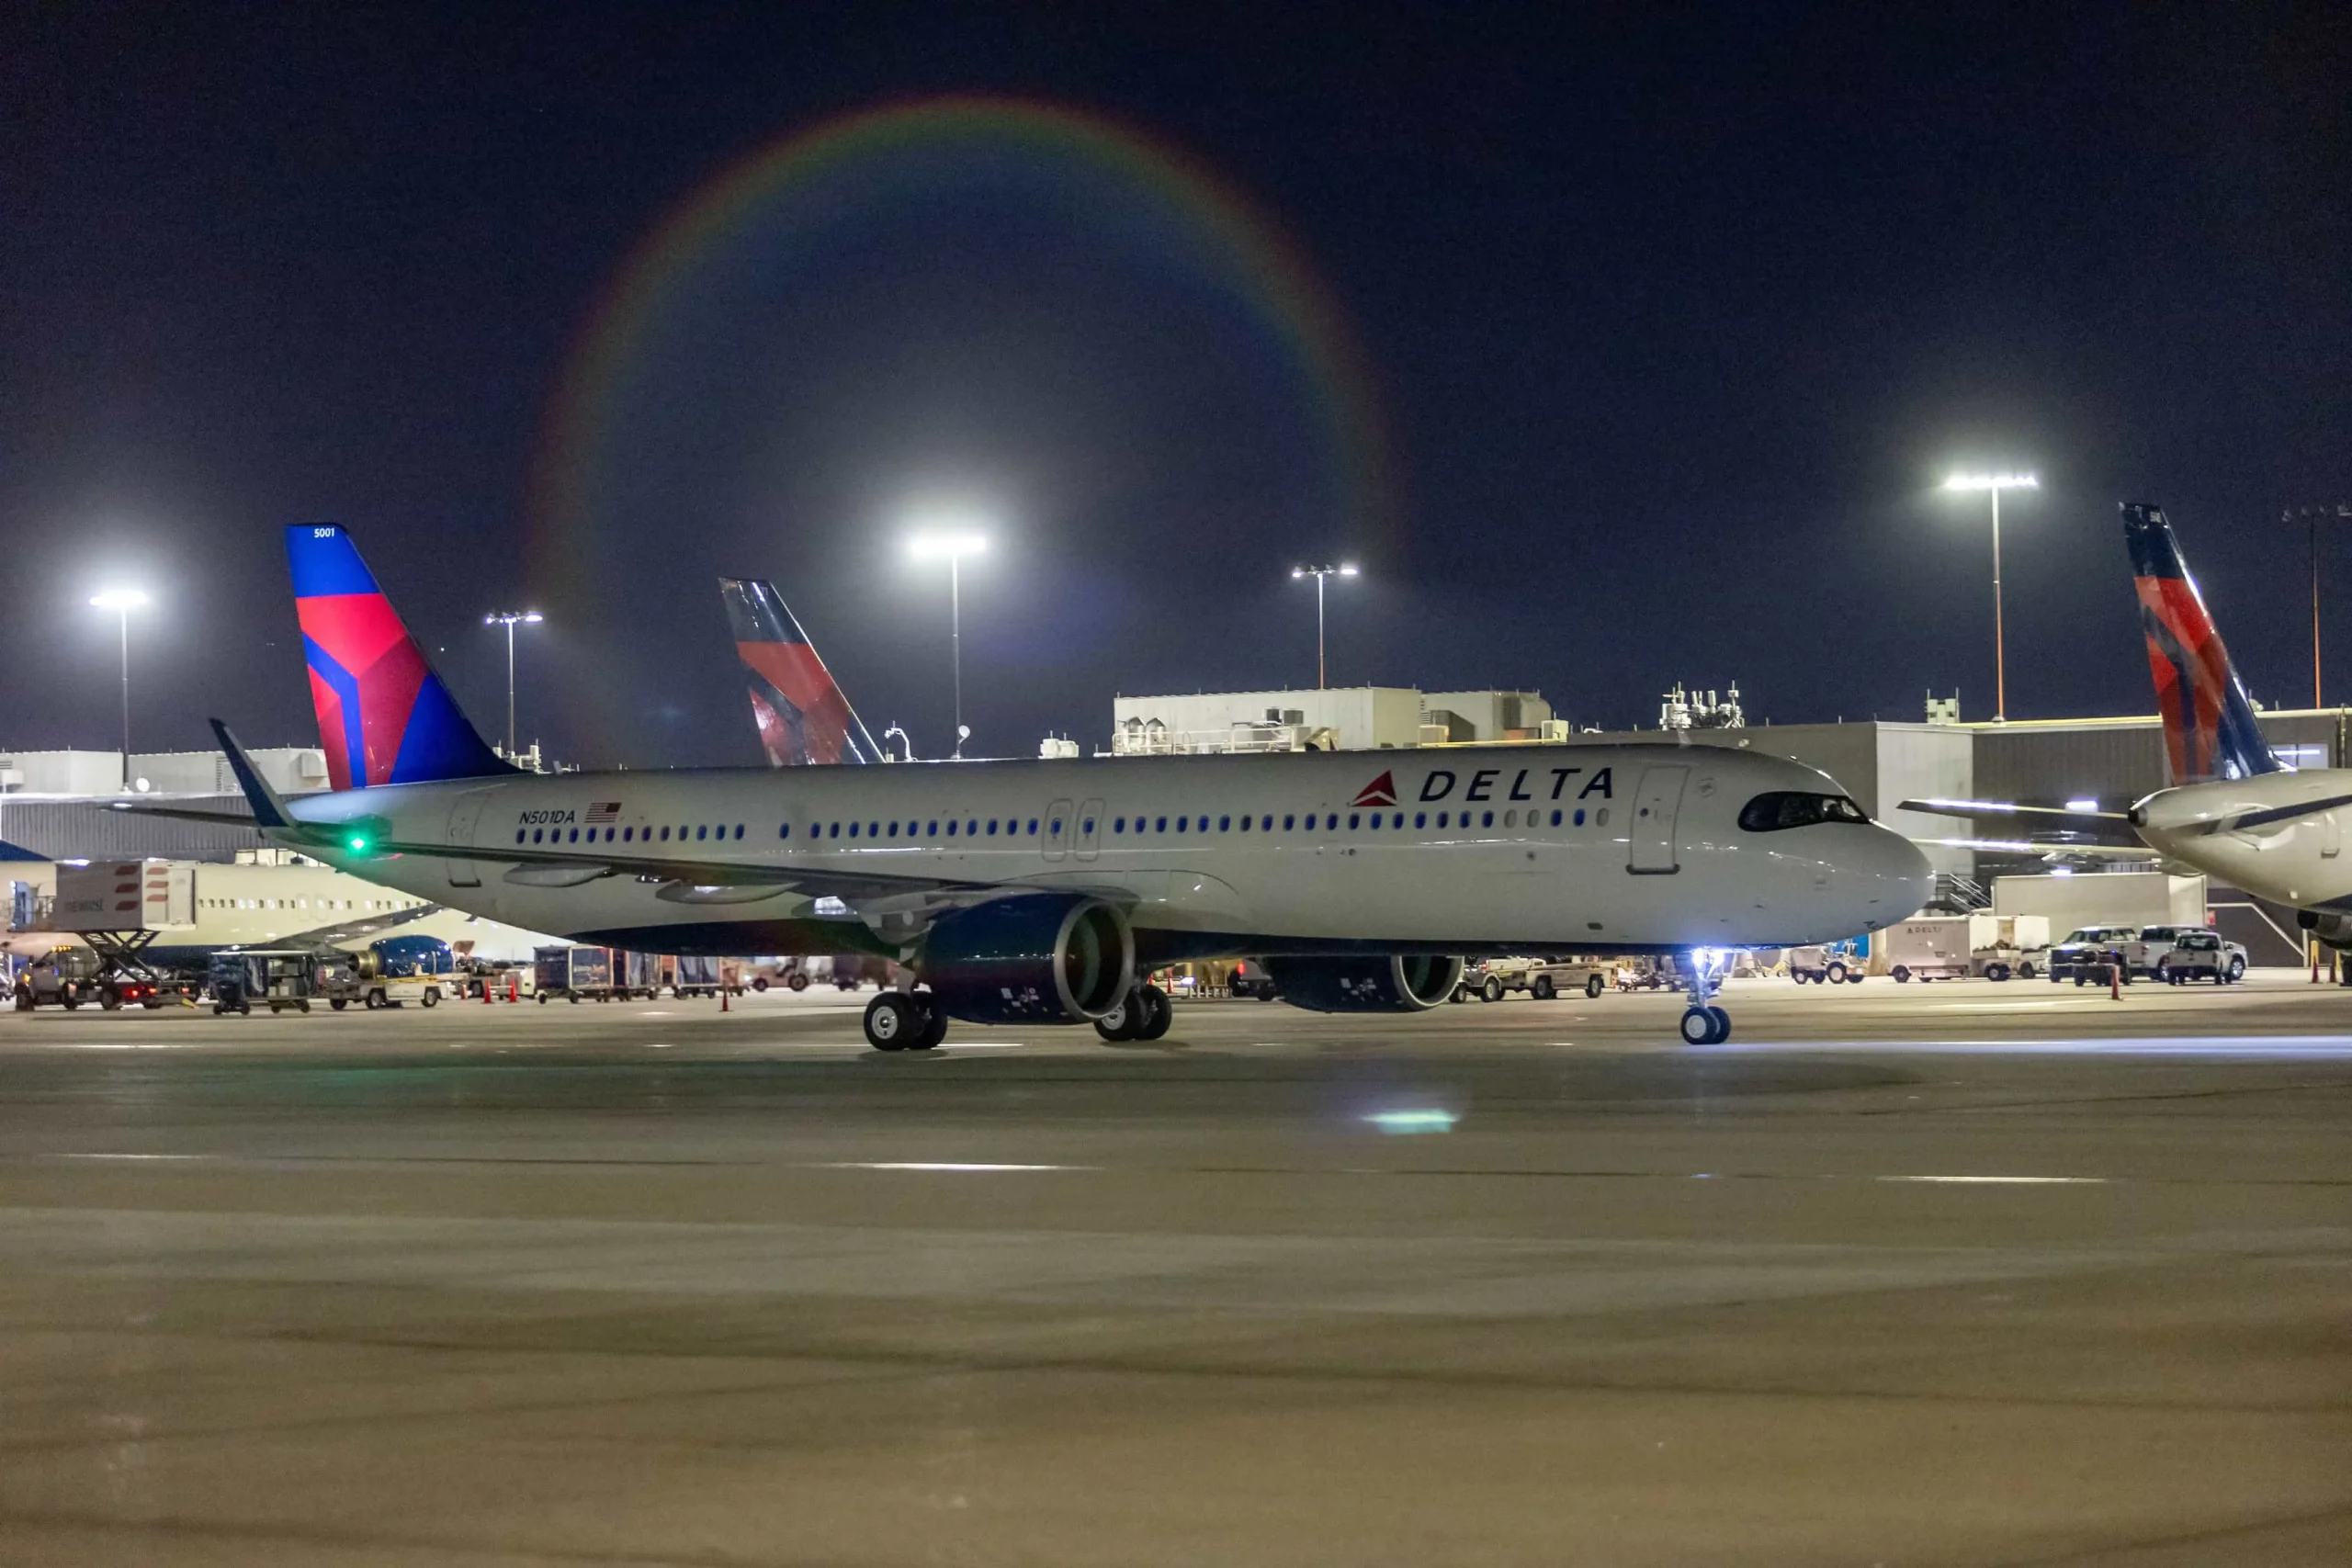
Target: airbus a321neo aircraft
(1040, 891)
(2233, 811)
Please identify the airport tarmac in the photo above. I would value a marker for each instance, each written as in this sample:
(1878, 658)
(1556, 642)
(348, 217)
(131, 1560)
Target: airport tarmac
(1951, 1274)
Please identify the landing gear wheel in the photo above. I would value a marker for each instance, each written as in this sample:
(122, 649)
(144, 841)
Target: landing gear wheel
(1705, 1026)
(934, 1026)
(1124, 1021)
(893, 1021)
(1158, 1015)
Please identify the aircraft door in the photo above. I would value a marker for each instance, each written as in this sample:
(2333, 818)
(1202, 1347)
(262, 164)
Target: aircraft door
(462, 818)
(1056, 839)
(1090, 829)
(1655, 804)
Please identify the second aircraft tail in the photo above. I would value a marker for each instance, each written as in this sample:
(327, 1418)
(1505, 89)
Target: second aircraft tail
(802, 716)
(2210, 728)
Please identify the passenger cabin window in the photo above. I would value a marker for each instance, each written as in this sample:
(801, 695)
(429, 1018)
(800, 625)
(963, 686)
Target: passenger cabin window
(1771, 812)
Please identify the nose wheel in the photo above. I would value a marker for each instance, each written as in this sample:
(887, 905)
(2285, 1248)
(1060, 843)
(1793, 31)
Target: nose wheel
(1704, 1023)
(1705, 1026)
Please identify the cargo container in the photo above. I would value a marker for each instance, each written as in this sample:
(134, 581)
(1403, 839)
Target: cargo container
(573, 973)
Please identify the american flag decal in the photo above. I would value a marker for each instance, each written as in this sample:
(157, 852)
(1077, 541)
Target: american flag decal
(604, 811)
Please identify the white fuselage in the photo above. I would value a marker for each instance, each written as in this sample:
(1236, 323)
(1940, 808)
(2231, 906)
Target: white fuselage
(1501, 849)
(2277, 836)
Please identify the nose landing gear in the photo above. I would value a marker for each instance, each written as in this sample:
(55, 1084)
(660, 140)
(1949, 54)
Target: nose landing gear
(1704, 1023)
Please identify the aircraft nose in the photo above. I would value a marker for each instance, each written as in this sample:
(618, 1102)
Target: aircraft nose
(1896, 878)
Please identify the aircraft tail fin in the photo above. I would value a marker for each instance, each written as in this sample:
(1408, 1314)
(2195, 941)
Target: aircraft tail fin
(384, 716)
(802, 714)
(2210, 728)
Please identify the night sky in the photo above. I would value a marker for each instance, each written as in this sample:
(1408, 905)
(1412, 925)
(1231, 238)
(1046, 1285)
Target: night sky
(1622, 347)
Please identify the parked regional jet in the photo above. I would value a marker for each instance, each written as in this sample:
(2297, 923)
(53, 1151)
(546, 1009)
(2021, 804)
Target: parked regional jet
(1040, 891)
(802, 714)
(2233, 811)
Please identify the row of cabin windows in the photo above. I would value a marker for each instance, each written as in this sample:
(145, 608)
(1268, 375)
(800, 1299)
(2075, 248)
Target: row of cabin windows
(1011, 827)
(1357, 821)
(630, 835)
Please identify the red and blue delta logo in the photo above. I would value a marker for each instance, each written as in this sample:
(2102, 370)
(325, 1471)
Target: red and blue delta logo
(1554, 784)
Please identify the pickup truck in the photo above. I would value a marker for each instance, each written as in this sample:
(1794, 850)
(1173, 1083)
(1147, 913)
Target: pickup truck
(1492, 980)
(2198, 955)
(2089, 951)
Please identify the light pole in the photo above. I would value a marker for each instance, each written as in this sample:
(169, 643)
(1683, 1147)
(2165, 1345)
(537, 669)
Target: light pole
(510, 619)
(123, 601)
(2312, 515)
(1994, 484)
(952, 545)
(1319, 573)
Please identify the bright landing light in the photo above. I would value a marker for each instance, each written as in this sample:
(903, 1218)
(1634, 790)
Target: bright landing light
(120, 599)
(1992, 481)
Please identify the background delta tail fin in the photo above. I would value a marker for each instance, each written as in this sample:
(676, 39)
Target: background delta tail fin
(2210, 728)
(384, 716)
(802, 716)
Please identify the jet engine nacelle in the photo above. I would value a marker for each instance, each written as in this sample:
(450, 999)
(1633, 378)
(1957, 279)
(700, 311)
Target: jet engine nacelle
(2333, 929)
(1037, 958)
(1393, 982)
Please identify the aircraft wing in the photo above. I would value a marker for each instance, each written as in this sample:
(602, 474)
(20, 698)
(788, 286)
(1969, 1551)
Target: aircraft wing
(2008, 808)
(184, 813)
(571, 867)
(2047, 850)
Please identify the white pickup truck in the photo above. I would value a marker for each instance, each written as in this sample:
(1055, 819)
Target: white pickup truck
(2196, 954)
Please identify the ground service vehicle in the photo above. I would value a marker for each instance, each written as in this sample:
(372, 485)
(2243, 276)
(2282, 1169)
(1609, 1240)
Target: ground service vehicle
(396, 970)
(573, 973)
(1493, 979)
(70, 976)
(1256, 980)
(279, 978)
(1927, 947)
(1823, 966)
(2201, 955)
(2089, 951)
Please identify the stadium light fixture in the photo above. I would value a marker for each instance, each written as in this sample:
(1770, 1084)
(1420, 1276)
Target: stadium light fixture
(1319, 573)
(1993, 485)
(952, 543)
(510, 619)
(123, 601)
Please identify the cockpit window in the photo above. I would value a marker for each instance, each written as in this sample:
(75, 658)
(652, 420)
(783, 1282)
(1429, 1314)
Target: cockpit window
(1788, 808)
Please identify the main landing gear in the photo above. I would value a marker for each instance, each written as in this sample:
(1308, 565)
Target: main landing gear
(1142, 1014)
(904, 1020)
(1704, 1023)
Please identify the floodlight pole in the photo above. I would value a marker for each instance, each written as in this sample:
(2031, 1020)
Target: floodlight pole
(2000, 661)
(2312, 515)
(956, 640)
(509, 619)
(1319, 573)
(123, 612)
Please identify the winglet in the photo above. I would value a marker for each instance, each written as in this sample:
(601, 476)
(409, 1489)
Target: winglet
(269, 811)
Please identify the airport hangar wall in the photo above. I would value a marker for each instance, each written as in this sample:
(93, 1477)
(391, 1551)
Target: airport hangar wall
(1368, 718)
